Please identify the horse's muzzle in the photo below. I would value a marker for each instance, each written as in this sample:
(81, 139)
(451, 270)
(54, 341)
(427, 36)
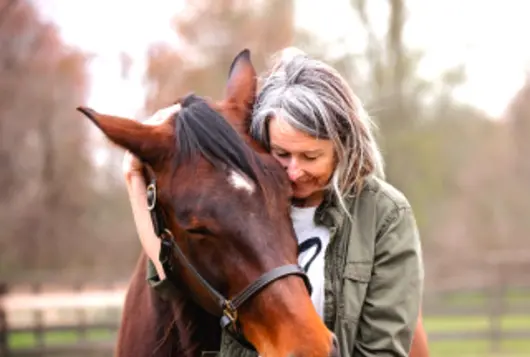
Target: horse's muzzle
(335, 352)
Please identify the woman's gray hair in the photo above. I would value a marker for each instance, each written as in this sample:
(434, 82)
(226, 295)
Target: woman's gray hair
(314, 98)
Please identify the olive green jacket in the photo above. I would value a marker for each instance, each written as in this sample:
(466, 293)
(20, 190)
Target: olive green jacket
(373, 274)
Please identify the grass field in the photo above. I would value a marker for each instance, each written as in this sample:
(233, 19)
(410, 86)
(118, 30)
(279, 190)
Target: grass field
(433, 325)
(27, 339)
(465, 348)
(472, 348)
(478, 323)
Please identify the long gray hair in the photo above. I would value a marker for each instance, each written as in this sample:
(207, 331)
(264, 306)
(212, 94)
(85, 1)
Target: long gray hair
(312, 97)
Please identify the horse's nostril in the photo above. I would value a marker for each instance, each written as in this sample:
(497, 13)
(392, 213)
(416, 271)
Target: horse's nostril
(335, 352)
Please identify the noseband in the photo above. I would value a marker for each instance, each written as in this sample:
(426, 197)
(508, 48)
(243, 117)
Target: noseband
(227, 308)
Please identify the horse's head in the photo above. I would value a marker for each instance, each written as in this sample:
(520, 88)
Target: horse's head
(225, 204)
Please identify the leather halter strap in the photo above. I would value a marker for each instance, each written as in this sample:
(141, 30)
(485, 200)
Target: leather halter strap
(226, 309)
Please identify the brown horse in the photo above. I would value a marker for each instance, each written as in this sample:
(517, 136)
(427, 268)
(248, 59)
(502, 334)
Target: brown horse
(220, 204)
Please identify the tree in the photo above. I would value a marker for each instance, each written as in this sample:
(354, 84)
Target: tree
(210, 34)
(43, 158)
(428, 138)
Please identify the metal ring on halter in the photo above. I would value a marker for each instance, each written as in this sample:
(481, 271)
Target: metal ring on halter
(151, 196)
(166, 234)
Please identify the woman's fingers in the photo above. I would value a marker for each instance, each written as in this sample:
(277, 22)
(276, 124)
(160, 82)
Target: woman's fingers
(162, 115)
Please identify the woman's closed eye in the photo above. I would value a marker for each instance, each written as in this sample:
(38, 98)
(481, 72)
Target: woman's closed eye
(311, 157)
(306, 156)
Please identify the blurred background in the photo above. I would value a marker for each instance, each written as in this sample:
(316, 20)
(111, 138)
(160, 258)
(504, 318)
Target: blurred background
(448, 83)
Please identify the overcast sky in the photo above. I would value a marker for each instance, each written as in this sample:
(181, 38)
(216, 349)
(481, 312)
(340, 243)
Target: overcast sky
(490, 41)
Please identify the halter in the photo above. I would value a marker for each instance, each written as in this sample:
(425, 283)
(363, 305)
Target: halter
(227, 309)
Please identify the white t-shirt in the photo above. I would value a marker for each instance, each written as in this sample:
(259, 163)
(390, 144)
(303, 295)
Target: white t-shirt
(313, 240)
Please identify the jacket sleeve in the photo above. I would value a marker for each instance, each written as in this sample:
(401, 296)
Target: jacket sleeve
(164, 288)
(390, 312)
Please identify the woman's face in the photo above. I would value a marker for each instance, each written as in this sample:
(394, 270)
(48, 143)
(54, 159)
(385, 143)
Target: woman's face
(309, 162)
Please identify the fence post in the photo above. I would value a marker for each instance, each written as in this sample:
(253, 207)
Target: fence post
(4, 340)
(38, 319)
(496, 298)
(81, 314)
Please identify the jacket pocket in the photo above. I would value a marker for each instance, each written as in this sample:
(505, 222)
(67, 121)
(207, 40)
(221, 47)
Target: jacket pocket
(355, 281)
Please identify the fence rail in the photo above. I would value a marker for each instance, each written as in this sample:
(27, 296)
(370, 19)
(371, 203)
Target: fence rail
(79, 349)
(86, 324)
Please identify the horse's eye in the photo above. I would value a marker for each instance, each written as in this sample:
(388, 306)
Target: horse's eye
(200, 230)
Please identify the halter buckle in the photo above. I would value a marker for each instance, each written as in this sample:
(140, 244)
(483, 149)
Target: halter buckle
(151, 196)
(230, 312)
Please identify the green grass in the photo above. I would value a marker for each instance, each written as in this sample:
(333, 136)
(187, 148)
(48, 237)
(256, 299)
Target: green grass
(27, 339)
(433, 324)
(465, 348)
(476, 348)
(474, 323)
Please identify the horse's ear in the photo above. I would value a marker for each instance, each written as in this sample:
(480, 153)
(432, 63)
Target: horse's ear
(242, 83)
(148, 142)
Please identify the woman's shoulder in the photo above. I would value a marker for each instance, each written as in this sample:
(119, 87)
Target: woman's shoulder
(379, 208)
(377, 205)
(377, 202)
(382, 195)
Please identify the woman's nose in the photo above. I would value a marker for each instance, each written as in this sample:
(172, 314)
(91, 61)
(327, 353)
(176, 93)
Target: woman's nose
(293, 171)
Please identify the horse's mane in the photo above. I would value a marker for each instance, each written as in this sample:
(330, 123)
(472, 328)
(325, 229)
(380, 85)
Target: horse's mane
(200, 130)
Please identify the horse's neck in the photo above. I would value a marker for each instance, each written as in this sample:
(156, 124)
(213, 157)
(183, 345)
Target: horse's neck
(154, 327)
(189, 330)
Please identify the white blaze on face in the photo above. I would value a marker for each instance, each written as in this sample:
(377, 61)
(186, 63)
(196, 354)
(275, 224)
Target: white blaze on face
(240, 182)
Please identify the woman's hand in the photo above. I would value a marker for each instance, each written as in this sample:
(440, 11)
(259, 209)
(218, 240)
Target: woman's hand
(132, 166)
(137, 192)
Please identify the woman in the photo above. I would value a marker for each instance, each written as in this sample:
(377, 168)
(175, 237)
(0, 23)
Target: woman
(357, 234)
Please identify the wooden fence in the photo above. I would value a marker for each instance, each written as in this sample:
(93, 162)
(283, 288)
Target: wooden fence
(499, 317)
(73, 320)
(4, 343)
(84, 322)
